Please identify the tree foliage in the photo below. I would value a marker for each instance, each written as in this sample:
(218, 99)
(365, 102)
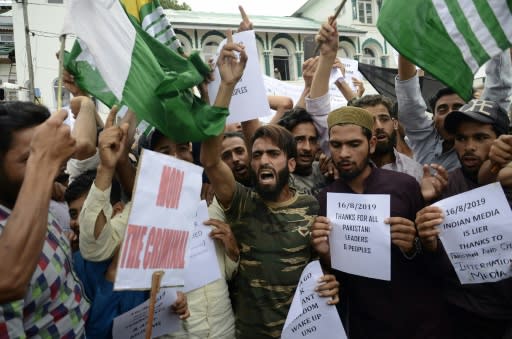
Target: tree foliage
(174, 4)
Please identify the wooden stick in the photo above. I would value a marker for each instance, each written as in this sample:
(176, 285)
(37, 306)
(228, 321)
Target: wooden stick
(338, 11)
(156, 279)
(61, 70)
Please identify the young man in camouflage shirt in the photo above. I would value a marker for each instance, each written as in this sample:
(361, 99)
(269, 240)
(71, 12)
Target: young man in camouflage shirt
(270, 222)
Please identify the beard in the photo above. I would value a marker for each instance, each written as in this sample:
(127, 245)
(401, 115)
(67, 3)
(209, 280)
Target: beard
(355, 172)
(271, 193)
(386, 147)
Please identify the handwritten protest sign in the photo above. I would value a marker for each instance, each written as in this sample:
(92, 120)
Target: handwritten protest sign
(476, 234)
(310, 316)
(360, 242)
(202, 254)
(165, 202)
(249, 99)
(132, 324)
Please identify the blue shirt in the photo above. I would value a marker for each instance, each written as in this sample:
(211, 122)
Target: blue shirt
(106, 304)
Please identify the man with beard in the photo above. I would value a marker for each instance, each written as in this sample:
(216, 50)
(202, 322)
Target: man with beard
(386, 156)
(39, 294)
(270, 223)
(307, 177)
(234, 154)
(476, 310)
(408, 305)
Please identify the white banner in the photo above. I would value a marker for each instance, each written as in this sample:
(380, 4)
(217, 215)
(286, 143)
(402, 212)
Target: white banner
(360, 241)
(310, 316)
(165, 200)
(249, 100)
(476, 234)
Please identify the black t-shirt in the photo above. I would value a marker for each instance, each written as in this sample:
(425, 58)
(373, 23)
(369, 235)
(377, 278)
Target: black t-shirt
(409, 306)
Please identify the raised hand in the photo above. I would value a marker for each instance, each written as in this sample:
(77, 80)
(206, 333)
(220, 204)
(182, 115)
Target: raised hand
(245, 24)
(432, 185)
(328, 38)
(230, 67)
(222, 232)
(68, 80)
(112, 141)
(308, 70)
(327, 167)
(52, 144)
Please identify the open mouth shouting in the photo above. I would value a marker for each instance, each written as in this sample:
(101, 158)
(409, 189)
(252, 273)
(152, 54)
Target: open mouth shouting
(266, 176)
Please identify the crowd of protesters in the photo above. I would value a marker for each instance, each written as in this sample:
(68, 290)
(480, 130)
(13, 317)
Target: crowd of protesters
(65, 199)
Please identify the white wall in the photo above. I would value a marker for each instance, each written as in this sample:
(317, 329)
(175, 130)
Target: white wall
(45, 20)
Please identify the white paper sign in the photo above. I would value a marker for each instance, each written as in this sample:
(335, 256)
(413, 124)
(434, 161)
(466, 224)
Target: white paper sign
(360, 242)
(310, 316)
(161, 220)
(132, 324)
(476, 234)
(249, 99)
(202, 254)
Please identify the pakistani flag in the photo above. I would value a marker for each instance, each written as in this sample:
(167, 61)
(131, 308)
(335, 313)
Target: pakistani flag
(449, 39)
(117, 61)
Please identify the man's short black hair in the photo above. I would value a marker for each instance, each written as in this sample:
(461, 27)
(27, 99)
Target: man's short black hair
(438, 95)
(295, 117)
(82, 184)
(233, 134)
(280, 136)
(16, 116)
(371, 100)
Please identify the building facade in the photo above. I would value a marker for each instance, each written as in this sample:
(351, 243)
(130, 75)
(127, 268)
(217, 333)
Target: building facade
(285, 42)
(282, 42)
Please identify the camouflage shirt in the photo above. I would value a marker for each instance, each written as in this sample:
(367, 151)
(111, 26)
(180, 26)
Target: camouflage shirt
(274, 242)
(309, 184)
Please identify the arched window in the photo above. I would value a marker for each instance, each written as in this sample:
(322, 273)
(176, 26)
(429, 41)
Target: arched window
(369, 56)
(281, 62)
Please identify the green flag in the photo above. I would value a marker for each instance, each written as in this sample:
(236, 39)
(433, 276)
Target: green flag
(117, 61)
(151, 17)
(449, 39)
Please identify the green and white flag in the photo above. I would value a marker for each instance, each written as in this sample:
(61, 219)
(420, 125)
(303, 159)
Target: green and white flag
(150, 15)
(450, 39)
(118, 62)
